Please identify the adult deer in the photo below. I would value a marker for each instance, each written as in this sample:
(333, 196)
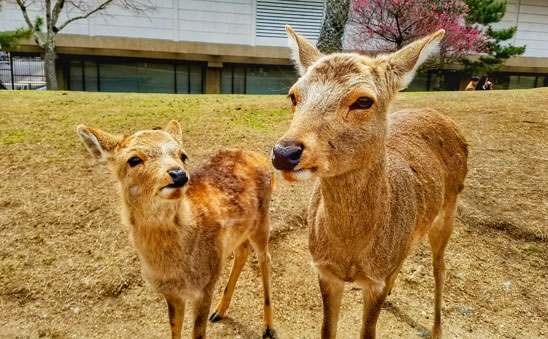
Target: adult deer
(384, 180)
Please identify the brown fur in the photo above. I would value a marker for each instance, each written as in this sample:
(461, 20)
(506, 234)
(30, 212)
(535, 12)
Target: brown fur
(183, 235)
(384, 180)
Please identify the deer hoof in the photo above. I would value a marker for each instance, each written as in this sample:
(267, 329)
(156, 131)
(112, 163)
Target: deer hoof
(214, 317)
(269, 333)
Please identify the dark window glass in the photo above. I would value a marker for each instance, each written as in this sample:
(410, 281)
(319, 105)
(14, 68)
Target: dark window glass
(195, 79)
(156, 78)
(76, 80)
(521, 81)
(239, 81)
(119, 77)
(226, 80)
(261, 80)
(182, 79)
(419, 83)
(90, 68)
(541, 81)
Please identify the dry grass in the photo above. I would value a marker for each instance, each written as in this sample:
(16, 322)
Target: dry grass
(67, 268)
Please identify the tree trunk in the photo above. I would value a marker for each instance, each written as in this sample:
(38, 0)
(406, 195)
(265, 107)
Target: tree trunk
(336, 15)
(50, 57)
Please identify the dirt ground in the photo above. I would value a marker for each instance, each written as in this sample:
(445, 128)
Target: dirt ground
(67, 269)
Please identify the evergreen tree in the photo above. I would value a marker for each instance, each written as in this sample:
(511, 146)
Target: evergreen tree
(331, 34)
(483, 13)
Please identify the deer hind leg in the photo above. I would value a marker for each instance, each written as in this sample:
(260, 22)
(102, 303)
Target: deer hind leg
(176, 311)
(392, 278)
(331, 290)
(259, 241)
(240, 258)
(438, 236)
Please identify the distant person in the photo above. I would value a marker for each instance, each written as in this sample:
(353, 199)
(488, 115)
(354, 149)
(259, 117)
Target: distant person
(484, 84)
(472, 85)
(488, 85)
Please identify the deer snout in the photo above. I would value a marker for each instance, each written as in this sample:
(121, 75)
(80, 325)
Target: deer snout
(178, 177)
(285, 157)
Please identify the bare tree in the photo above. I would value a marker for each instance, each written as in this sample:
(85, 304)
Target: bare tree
(74, 10)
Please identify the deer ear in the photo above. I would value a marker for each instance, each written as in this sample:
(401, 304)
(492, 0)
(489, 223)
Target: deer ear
(100, 144)
(304, 54)
(407, 60)
(174, 129)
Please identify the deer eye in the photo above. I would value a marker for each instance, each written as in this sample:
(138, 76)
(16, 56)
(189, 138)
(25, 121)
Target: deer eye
(134, 161)
(183, 157)
(362, 103)
(293, 99)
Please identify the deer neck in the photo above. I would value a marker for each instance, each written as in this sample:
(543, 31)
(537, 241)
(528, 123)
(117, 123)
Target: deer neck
(160, 230)
(357, 200)
(153, 219)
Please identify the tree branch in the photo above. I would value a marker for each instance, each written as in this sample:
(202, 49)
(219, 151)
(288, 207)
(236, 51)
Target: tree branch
(56, 11)
(84, 16)
(35, 34)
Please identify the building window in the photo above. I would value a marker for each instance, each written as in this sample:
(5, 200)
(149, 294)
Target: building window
(237, 79)
(138, 77)
(521, 81)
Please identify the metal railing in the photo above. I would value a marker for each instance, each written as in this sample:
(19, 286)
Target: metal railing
(21, 72)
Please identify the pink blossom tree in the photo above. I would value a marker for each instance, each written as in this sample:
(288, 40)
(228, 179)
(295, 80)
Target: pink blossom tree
(388, 25)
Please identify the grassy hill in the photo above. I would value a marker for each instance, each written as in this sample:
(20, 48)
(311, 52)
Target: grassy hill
(67, 267)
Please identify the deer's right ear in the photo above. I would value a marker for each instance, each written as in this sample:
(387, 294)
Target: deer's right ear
(100, 144)
(304, 54)
(174, 129)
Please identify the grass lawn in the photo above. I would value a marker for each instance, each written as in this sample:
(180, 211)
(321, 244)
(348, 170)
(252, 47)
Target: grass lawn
(67, 268)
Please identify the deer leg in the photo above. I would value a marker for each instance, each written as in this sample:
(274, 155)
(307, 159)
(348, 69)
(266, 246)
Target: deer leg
(438, 237)
(331, 290)
(201, 310)
(176, 311)
(373, 299)
(240, 258)
(260, 245)
(393, 277)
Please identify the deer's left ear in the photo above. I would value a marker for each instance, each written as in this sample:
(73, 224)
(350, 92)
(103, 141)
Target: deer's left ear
(407, 60)
(174, 129)
(304, 54)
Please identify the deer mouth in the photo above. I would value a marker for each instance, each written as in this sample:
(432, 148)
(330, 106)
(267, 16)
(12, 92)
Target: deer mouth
(172, 191)
(176, 185)
(300, 174)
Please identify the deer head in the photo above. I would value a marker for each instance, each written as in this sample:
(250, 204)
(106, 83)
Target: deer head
(148, 164)
(340, 105)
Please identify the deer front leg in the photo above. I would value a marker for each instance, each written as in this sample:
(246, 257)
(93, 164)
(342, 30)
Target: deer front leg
(176, 311)
(331, 290)
(373, 299)
(201, 312)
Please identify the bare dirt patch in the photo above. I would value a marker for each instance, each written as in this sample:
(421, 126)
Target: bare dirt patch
(67, 269)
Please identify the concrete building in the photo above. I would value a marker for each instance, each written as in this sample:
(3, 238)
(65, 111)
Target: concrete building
(227, 46)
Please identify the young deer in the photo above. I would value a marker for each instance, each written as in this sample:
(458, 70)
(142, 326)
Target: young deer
(384, 180)
(184, 228)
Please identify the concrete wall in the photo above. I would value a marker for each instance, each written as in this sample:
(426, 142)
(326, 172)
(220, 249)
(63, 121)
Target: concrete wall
(207, 21)
(531, 18)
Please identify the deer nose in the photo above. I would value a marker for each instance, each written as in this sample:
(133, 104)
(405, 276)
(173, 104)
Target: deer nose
(178, 177)
(286, 157)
